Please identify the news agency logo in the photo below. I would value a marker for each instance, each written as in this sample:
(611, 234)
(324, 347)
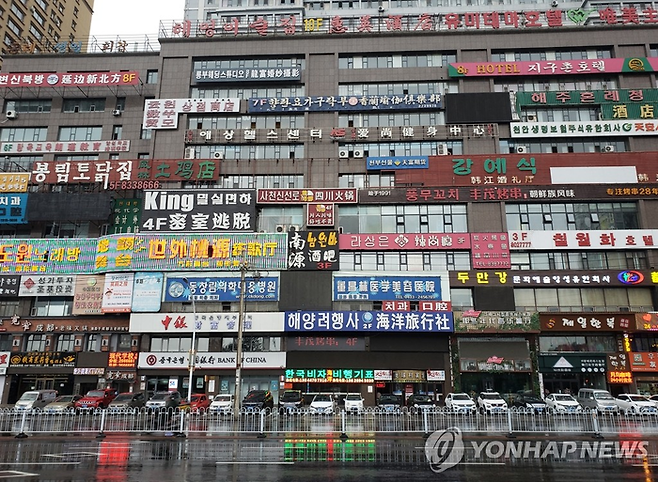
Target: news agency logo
(444, 449)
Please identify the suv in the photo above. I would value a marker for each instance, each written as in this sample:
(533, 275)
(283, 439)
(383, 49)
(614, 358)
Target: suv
(258, 400)
(199, 403)
(353, 403)
(460, 403)
(128, 401)
(164, 400)
(424, 402)
(95, 399)
(599, 400)
(491, 402)
(291, 400)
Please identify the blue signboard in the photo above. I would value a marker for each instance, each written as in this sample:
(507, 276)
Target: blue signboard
(221, 289)
(387, 288)
(370, 321)
(12, 208)
(345, 103)
(398, 162)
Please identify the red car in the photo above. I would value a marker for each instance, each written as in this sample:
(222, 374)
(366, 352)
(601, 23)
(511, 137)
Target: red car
(199, 403)
(95, 399)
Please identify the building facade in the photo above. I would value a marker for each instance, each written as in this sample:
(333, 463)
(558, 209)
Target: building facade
(418, 204)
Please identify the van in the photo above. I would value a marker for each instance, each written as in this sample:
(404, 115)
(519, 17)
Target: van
(35, 399)
(599, 400)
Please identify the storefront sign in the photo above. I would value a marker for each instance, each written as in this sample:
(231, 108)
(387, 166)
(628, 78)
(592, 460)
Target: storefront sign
(473, 321)
(303, 196)
(163, 113)
(553, 67)
(620, 378)
(594, 239)
(646, 321)
(9, 286)
(313, 250)
(122, 359)
(490, 250)
(389, 287)
(553, 278)
(383, 375)
(586, 322)
(434, 305)
(120, 375)
(396, 305)
(404, 242)
(199, 211)
(14, 181)
(52, 256)
(587, 128)
(326, 343)
(80, 79)
(211, 360)
(331, 103)
(586, 97)
(99, 372)
(88, 295)
(408, 376)
(618, 363)
(203, 252)
(147, 292)
(387, 163)
(644, 361)
(436, 375)
(44, 285)
(45, 359)
(572, 364)
(4, 362)
(265, 322)
(329, 375)
(117, 293)
(222, 288)
(13, 208)
(320, 214)
(59, 147)
(16, 324)
(369, 321)
(494, 364)
(280, 74)
(125, 216)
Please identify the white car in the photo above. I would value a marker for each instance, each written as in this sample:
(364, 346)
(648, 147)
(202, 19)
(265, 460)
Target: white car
(654, 399)
(562, 403)
(635, 403)
(323, 404)
(353, 403)
(491, 402)
(222, 404)
(460, 403)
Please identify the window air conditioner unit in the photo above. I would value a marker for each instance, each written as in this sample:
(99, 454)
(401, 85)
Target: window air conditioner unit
(189, 153)
(343, 154)
(12, 114)
(442, 149)
(207, 135)
(358, 153)
(521, 149)
(608, 148)
(218, 155)
(531, 117)
(116, 112)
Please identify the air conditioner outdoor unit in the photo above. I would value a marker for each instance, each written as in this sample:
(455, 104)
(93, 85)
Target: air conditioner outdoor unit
(358, 153)
(280, 228)
(207, 135)
(294, 227)
(442, 149)
(531, 117)
(116, 112)
(521, 149)
(608, 148)
(343, 154)
(189, 153)
(218, 155)
(554, 3)
(12, 114)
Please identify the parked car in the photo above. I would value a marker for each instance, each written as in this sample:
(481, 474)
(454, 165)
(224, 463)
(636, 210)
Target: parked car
(562, 403)
(96, 399)
(35, 399)
(389, 402)
(128, 401)
(258, 400)
(599, 400)
(635, 403)
(353, 403)
(529, 402)
(222, 404)
(164, 400)
(654, 399)
(291, 400)
(62, 404)
(424, 402)
(199, 403)
(491, 402)
(460, 403)
(323, 404)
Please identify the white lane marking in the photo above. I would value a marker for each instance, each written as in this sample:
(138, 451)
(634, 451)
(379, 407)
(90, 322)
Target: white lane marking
(9, 474)
(255, 463)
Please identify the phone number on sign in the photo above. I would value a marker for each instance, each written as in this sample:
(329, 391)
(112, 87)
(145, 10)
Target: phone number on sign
(134, 185)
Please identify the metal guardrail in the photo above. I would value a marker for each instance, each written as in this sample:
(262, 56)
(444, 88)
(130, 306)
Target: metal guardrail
(370, 420)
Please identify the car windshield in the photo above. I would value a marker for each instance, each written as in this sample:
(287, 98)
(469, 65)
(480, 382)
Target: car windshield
(160, 396)
(255, 396)
(603, 396)
(637, 398)
(388, 399)
(564, 398)
(532, 400)
(124, 398)
(322, 398)
(353, 398)
(489, 396)
(462, 397)
(222, 398)
(422, 398)
(95, 394)
(65, 398)
(196, 398)
(291, 397)
(30, 396)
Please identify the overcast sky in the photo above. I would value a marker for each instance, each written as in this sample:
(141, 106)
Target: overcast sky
(122, 18)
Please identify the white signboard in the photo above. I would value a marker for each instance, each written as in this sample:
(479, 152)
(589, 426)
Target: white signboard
(383, 375)
(593, 239)
(436, 375)
(163, 113)
(118, 292)
(584, 129)
(4, 361)
(46, 285)
(59, 147)
(221, 322)
(211, 360)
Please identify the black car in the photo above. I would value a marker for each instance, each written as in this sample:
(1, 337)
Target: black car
(291, 400)
(420, 401)
(529, 403)
(258, 400)
(389, 402)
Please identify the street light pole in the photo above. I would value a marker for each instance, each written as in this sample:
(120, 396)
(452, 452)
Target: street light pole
(192, 360)
(238, 355)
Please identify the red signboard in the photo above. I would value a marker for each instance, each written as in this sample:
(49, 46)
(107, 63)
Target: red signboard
(303, 196)
(320, 214)
(644, 361)
(395, 305)
(434, 306)
(404, 242)
(490, 250)
(79, 79)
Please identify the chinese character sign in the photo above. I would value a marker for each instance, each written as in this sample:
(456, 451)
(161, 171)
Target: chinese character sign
(382, 288)
(313, 250)
(163, 113)
(369, 321)
(320, 214)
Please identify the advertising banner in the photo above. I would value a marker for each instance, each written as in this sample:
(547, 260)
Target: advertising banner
(163, 113)
(388, 287)
(265, 322)
(147, 292)
(586, 322)
(46, 285)
(211, 360)
(369, 321)
(222, 288)
(592, 239)
(88, 295)
(118, 292)
(13, 208)
(313, 251)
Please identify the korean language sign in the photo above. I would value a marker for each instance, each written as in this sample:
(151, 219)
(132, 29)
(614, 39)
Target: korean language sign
(313, 250)
(213, 288)
(369, 321)
(382, 288)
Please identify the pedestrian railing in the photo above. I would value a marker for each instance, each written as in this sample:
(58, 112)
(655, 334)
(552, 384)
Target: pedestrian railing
(367, 421)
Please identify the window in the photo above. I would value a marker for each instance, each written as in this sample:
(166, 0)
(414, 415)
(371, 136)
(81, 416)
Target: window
(446, 218)
(24, 134)
(577, 343)
(5, 342)
(572, 216)
(151, 76)
(405, 261)
(35, 343)
(121, 342)
(65, 343)
(116, 132)
(52, 306)
(87, 133)
(577, 299)
(29, 106)
(146, 133)
(83, 105)
(93, 343)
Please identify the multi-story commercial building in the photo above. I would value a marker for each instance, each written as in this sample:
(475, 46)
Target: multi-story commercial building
(418, 204)
(34, 26)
